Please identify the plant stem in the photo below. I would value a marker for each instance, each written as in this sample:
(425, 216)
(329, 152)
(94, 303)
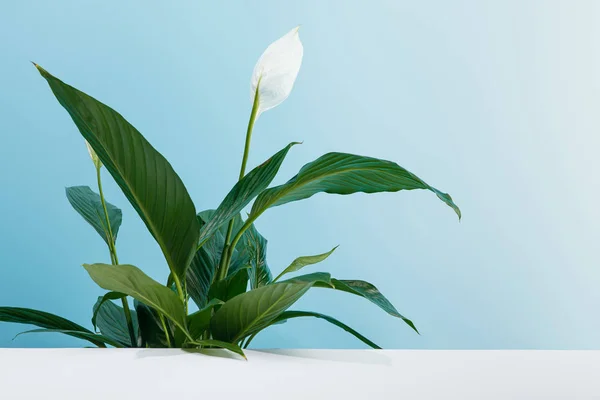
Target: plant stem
(115, 260)
(164, 325)
(227, 248)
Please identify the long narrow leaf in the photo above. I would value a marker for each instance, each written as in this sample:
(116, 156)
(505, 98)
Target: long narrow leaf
(302, 262)
(90, 337)
(88, 204)
(146, 178)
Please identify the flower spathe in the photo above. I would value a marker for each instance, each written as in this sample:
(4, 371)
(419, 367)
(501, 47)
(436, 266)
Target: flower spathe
(276, 71)
(93, 155)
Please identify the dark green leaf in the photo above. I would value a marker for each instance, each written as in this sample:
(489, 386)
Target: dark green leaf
(88, 204)
(143, 174)
(43, 320)
(296, 314)
(302, 262)
(340, 173)
(230, 287)
(108, 296)
(89, 336)
(133, 282)
(112, 322)
(256, 245)
(219, 344)
(243, 192)
(151, 331)
(249, 312)
(199, 321)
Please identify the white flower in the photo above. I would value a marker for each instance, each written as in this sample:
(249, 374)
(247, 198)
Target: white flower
(276, 71)
(93, 155)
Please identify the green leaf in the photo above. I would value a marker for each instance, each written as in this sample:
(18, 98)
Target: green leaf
(371, 293)
(112, 322)
(146, 178)
(340, 173)
(296, 314)
(230, 287)
(252, 311)
(108, 296)
(302, 262)
(256, 245)
(151, 330)
(321, 279)
(133, 282)
(243, 192)
(199, 321)
(88, 204)
(89, 336)
(43, 320)
(219, 344)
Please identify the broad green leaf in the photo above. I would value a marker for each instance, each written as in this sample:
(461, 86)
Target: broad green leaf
(252, 311)
(321, 279)
(371, 293)
(112, 322)
(340, 173)
(256, 245)
(43, 320)
(243, 192)
(151, 331)
(108, 296)
(219, 344)
(296, 314)
(231, 286)
(302, 262)
(88, 204)
(89, 336)
(133, 282)
(199, 321)
(143, 174)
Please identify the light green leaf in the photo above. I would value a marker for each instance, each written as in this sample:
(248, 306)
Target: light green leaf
(296, 314)
(43, 320)
(88, 204)
(112, 322)
(89, 336)
(219, 344)
(143, 174)
(133, 282)
(321, 279)
(252, 311)
(302, 262)
(243, 192)
(340, 173)
(199, 321)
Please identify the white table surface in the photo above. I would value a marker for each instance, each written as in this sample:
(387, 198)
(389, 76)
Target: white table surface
(298, 374)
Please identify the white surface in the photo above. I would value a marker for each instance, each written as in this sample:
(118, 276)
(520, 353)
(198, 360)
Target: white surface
(298, 374)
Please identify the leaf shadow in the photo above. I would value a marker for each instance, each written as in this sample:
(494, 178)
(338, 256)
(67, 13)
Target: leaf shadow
(370, 357)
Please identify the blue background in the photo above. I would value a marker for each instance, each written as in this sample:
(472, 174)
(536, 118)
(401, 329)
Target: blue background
(493, 102)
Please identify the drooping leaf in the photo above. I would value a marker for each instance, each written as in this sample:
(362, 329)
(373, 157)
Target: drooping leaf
(302, 262)
(220, 344)
(151, 331)
(256, 245)
(43, 320)
(340, 173)
(243, 192)
(371, 293)
(112, 322)
(249, 312)
(296, 314)
(88, 204)
(90, 337)
(199, 321)
(131, 281)
(108, 296)
(146, 178)
(321, 279)
(231, 286)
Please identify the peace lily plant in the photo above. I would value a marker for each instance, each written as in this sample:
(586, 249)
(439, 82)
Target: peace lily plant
(216, 258)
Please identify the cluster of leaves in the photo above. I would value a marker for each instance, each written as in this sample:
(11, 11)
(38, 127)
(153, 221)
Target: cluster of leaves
(217, 259)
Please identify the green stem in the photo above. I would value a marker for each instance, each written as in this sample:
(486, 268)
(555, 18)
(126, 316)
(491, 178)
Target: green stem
(164, 325)
(115, 260)
(227, 248)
